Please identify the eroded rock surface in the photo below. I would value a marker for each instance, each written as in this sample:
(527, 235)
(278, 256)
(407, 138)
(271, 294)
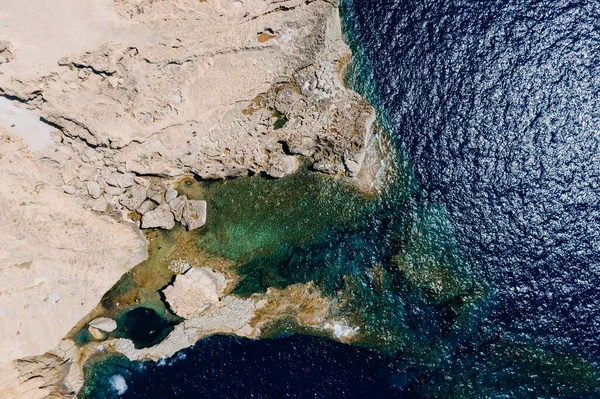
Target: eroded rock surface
(104, 324)
(194, 214)
(57, 259)
(195, 291)
(161, 217)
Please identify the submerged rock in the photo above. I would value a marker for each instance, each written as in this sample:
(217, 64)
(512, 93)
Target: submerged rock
(96, 334)
(161, 217)
(194, 214)
(195, 291)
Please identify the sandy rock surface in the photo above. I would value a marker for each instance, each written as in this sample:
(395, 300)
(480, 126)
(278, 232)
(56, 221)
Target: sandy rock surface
(57, 259)
(162, 88)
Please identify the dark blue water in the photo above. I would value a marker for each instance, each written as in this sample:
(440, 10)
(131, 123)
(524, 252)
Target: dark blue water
(228, 367)
(497, 103)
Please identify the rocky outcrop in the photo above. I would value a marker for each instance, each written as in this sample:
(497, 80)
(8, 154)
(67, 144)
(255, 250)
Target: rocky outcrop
(104, 324)
(177, 205)
(134, 197)
(161, 218)
(218, 89)
(195, 291)
(57, 259)
(131, 104)
(194, 214)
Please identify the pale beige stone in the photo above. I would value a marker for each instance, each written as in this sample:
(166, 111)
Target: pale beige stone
(195, 291)
(57, 259)
(161, 218)
(194, 214)
(96, 333)
(104, 323)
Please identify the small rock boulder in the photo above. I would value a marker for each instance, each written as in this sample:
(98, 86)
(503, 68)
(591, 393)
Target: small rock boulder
(146, 207)
(133, 197)
(281, 165)
(177, 205)
(170, 195)
(69, 189)
(93, 189)
(161, 218)
(96, 334)
(194, 214)
(104, 324)
(195, 291)
(155, 193)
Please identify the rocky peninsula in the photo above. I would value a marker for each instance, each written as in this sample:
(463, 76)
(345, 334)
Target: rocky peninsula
(137, 95)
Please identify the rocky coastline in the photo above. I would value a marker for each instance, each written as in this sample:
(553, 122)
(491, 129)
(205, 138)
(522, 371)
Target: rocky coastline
(169, 90)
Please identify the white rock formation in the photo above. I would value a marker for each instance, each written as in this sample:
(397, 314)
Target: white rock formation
(104, 324)
(161, 218)
(142, 90)
(177, 205)
(194, 214)
(133, 197)
(195, 291)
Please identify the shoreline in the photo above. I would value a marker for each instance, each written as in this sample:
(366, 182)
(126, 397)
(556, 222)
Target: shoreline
(83, 163)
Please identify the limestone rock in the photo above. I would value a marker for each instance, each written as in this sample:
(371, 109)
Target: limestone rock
(96, 333)
(94, 189)
(104, 324)
(170, 195)
(133, 197)
(146, 207)
(35, 377)
(155, 193)
(110, 190)
(195, 291)
(112, 178)
(161, 217)
(177, 206)
(69, 189)
(59, 259)
(194, 214)
(117, 179)
(98, 204)
(281, 165)
(126, 180)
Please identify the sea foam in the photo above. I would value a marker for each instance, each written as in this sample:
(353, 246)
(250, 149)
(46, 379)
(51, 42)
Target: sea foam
(117, 382)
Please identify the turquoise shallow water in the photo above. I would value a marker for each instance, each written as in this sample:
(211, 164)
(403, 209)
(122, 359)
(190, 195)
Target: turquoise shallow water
(452, 273)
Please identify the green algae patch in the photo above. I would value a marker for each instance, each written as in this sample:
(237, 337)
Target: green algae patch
(249, 217)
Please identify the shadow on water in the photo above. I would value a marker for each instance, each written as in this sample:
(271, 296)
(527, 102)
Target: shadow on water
(143, 326)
